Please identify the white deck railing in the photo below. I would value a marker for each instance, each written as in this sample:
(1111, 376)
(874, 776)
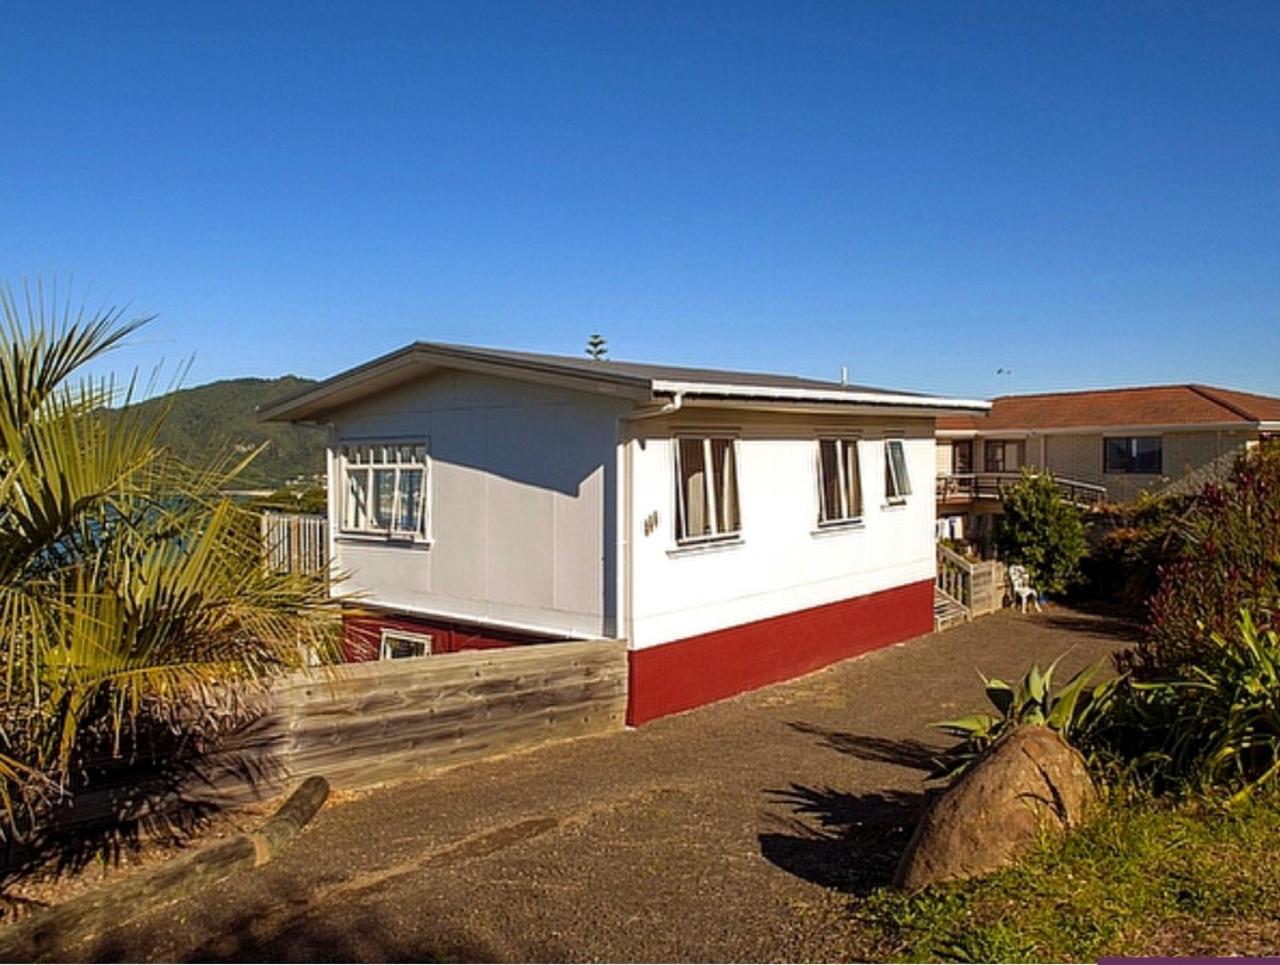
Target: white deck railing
(295, 542)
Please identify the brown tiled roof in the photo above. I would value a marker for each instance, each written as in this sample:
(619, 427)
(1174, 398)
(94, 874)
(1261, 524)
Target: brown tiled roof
(1156, 405)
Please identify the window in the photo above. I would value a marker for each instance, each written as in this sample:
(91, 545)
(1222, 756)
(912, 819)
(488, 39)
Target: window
(706, 488)
(839, 485)
(993, 456)
(897, 485)
(1137, 454)
(962, 456)
(398, 645)
(385, 489)
(1001, 456)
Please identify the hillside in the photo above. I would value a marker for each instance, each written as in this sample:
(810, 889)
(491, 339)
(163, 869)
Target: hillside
(208, 420)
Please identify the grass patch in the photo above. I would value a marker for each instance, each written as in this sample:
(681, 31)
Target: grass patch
(1142, 878)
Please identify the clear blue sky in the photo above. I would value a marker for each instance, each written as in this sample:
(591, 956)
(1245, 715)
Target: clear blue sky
(926, 192)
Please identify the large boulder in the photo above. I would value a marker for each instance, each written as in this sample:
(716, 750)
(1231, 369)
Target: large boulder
(1029, 783)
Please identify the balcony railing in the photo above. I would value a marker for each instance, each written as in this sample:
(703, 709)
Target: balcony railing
(965, 487)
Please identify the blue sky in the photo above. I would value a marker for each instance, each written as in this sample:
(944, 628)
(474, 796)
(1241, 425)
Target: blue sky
(1088, 194)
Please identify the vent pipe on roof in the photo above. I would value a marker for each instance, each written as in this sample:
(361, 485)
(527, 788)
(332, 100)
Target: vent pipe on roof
(844, 375)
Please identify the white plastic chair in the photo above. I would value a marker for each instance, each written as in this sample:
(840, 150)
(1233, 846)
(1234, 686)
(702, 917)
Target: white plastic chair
(1022, 588)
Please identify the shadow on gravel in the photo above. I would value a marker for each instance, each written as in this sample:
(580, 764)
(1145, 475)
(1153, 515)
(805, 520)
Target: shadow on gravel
(850, 842)
(1121, 628)
(368, 938)
(914, 754)
(120, 807)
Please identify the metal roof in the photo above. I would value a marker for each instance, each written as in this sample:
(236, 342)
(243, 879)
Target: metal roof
(638, 381)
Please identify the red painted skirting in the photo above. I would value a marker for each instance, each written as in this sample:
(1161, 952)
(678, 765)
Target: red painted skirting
(362, 634)
(698, 670)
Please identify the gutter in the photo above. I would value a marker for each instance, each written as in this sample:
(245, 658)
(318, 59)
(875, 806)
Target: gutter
(718, 390)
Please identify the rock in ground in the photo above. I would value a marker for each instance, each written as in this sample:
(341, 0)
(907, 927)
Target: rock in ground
(1030, 782)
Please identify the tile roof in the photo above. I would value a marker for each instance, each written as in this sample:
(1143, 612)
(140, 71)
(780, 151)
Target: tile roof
(1155, 405)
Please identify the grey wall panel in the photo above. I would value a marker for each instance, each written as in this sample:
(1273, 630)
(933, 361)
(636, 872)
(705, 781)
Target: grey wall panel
(522, 501)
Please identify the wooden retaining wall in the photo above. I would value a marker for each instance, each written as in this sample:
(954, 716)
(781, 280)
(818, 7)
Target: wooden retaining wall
(364, 724)
(379, 721)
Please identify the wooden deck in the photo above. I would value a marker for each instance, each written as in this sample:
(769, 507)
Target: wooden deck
(971, 487)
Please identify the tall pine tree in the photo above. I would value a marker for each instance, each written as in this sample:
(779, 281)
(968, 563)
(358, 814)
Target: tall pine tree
(597, 348)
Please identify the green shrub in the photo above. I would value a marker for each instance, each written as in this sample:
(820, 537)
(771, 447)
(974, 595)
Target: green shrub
(1212, 726)
(1041, 531)
(1128, 545)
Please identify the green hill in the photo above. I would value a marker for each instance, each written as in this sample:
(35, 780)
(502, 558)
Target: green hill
(209, 420)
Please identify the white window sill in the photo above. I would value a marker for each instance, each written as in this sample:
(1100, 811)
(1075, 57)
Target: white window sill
(838, 528)
(702, 547)
(894, 504)
(353, 536)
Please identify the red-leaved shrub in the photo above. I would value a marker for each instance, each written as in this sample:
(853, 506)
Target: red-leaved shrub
(1224, 557)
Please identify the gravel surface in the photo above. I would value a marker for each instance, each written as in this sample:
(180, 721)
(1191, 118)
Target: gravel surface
(735, 832)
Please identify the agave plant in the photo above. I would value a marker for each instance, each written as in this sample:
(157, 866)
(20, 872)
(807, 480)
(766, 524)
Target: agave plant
(1074, 710)
(132, 594)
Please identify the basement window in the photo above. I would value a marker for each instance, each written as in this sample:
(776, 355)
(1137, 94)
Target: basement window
(839, 482)
(706, 489)
(897, 484)
(400, 645)
(384, 489)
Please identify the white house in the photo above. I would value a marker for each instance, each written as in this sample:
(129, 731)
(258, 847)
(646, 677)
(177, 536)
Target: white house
(734, 528)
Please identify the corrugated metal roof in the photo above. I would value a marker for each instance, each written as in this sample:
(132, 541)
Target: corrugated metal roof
(644, 373)
(639, 381)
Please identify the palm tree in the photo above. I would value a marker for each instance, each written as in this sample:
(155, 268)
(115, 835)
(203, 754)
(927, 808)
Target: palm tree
(132, 593)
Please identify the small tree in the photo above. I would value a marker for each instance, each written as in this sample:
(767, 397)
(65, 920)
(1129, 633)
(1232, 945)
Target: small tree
(597, 347)
(1042, 531)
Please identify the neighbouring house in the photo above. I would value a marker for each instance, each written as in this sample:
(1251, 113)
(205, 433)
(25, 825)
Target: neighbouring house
(734, 528)
(1106, 445)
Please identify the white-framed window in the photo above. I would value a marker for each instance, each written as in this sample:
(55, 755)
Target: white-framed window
(401, 645)
(706, 488)
(385, 489)
(839, 481)
(897, 484)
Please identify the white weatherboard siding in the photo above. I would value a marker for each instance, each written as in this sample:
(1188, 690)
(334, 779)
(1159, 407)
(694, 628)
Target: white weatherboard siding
(522, 508)
(784, 562)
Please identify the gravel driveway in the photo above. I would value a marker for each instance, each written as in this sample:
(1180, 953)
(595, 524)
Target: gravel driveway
(735, 832)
